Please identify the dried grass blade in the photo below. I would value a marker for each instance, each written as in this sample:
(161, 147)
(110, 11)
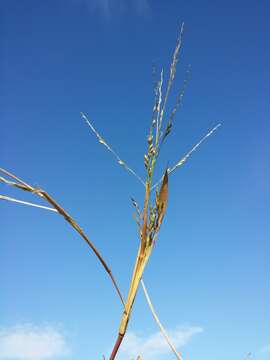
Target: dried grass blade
(14, 177)
(14, 184)
(162, 200)
(163, 331)
(145, 218)
(43, 194)
(8, 198)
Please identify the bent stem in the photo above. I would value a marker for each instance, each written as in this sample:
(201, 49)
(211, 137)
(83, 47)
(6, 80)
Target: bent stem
(44, 195)
(120, 338)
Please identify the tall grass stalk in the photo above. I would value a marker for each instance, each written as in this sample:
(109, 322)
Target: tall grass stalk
(150, 218)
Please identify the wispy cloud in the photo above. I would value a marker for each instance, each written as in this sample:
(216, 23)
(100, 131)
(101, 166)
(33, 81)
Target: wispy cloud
(154, 346)
(29, 342)
(265, 349)
(109, 8)
(142, 7)
(102, 6)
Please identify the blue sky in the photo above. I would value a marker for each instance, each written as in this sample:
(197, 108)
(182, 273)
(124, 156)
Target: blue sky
(209, 273)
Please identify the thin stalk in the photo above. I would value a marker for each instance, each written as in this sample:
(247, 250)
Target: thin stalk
(163, 331)
(144, 253)
(172, 74)
(188, 154)
(145, 248)
(159, 106)
(14, 177)
(116, 346)
(102, 141)
(8, 198)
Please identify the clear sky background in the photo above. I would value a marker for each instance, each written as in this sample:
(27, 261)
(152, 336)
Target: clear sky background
(209, 273)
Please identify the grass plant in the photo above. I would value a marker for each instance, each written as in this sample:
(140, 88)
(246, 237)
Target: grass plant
(149, 219)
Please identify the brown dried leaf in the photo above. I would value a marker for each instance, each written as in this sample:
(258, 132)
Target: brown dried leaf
(163, 199)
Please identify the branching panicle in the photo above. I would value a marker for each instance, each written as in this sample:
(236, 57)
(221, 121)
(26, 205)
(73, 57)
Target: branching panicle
(189, 153)
(110, 149)
(149, 219)
(178, 103)
(172, 74)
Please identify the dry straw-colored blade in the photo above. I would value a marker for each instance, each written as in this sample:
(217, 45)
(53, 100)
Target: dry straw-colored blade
(44, 195)
(163, 199)
(14, 177)
(8, 198)
(162, 329)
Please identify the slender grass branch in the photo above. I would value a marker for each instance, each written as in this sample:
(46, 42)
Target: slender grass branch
(188, 154)
(109, 148)
(8, 198)
(178, 103)
(163, 331)
(184, 159)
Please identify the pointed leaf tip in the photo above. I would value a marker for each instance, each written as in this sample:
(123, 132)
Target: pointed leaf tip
(163, 198)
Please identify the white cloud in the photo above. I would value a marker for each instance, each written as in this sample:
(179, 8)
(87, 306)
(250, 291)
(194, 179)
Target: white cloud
(154, 346)
(265, 349)
(28, 342)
